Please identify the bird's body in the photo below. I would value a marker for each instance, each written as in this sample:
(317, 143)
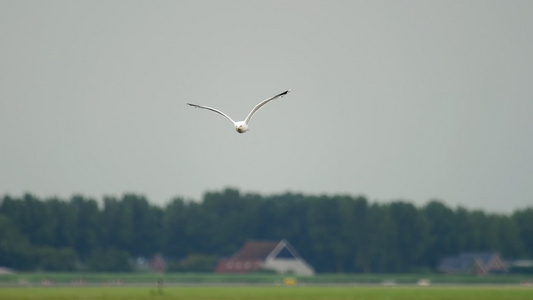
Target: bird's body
(242, 126)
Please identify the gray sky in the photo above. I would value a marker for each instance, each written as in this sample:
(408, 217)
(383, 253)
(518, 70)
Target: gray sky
(394, 100)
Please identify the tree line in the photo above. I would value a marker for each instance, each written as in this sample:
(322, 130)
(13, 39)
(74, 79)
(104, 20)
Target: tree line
(332, 233)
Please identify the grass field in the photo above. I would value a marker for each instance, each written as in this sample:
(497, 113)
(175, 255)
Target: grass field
(199, 286)
(271, 293)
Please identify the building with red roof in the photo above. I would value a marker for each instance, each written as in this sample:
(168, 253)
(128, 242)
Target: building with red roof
(278, 256)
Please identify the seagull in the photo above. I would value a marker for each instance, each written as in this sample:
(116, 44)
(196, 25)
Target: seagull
(242, 126)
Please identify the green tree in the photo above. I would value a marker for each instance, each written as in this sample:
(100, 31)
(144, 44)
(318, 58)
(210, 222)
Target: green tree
(440, 241)
(113, 228)
(524, 221)
(63, 222)
(144, 221)
(230, 219)
(463, 231)
(15, 248)
(380, 254)
(359, 228)
(88, 225)
(32, 218)
(133, 225)
(56, 259)
(110, 260)
(195, 263)
(412, 235)
(324, 223)
(174, 241)
(510, 245)
(333, 233)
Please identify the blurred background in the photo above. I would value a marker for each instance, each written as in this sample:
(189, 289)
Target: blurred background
(399, 112)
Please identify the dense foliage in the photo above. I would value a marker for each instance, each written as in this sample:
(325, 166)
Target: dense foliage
(333, 233)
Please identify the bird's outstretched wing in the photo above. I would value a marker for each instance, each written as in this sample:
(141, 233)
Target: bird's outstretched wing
(212, 109)
(258, 106)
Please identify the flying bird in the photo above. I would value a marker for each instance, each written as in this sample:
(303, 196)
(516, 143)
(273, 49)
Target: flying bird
(242, 126)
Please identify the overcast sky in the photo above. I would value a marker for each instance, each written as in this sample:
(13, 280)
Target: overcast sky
(393, 100)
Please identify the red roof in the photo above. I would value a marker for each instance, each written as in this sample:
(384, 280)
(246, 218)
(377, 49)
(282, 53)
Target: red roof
(248, 258)
(255, 250)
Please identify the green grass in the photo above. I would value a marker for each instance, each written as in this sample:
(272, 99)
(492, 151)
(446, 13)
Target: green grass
(270, 293)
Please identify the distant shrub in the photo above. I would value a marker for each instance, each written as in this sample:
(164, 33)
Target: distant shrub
(110, 260)
(194, 263)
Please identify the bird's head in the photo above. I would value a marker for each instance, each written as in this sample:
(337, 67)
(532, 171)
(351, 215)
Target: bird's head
(241, 127)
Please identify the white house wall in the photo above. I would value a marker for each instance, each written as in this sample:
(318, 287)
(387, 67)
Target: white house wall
(296, 266)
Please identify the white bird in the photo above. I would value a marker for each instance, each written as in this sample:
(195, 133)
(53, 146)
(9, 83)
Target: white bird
(242, 126)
